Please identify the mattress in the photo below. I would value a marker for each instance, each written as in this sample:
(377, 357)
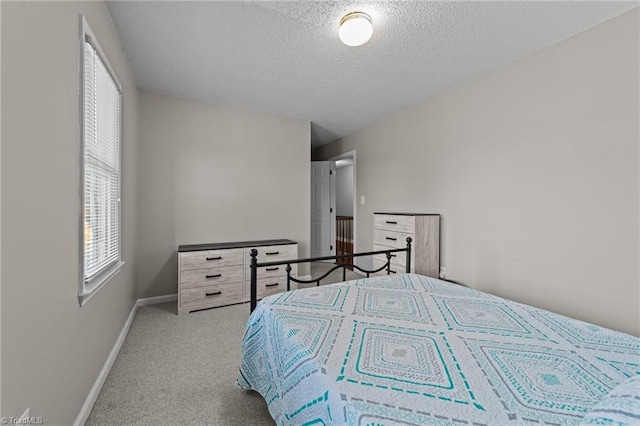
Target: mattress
(411, 350)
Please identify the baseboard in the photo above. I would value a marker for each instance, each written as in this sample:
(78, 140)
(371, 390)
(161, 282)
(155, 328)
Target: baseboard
(158, 299)
(106, 368)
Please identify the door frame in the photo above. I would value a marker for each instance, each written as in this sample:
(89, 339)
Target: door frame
(352, 154)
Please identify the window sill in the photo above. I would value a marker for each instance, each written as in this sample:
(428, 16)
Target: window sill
(85, 296)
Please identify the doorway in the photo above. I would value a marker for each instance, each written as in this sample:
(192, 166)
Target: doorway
(345, 165)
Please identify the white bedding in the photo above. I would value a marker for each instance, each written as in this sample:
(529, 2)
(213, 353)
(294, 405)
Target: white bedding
(411, 350)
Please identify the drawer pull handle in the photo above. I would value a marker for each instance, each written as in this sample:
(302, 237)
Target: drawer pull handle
(213, 276)
(394, 255)
(392, 222)
(214, 258)
(217, 293)
(270, 253)
(272, 285)
(392, 271)
(392, 239)
(272, 269)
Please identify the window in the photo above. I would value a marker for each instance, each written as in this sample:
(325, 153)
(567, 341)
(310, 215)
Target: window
(100, 167)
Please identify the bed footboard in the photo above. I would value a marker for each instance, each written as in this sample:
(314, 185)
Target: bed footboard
(255, 265)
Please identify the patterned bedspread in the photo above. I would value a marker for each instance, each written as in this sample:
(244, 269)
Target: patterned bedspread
(411, 350)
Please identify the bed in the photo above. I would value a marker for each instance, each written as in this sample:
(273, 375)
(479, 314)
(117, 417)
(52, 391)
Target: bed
(407, 349)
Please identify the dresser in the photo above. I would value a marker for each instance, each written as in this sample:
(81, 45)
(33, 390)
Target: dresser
(390, 230)
(218, 274)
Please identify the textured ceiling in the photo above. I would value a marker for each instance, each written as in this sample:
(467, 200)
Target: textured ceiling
(285, 58)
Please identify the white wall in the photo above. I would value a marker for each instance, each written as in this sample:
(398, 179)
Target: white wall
(53, 350)
(344, 191)
(212, 174)
(535, 170)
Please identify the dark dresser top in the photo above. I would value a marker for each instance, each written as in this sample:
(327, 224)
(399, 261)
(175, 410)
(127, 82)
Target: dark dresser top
(409, 214)
(237, 244)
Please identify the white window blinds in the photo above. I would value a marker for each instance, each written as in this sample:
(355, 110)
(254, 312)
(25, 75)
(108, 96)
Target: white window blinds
(101, 160)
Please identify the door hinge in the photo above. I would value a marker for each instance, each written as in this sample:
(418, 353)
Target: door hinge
(330, 172)
(330, 248)
(330, 209)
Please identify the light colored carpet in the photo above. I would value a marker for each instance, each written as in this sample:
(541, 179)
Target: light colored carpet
(180, 370)
(175, 370)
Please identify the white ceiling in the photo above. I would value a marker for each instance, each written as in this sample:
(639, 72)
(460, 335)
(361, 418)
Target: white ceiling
(285, 58)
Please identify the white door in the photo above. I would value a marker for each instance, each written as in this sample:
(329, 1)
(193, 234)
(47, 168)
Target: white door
(323, 211)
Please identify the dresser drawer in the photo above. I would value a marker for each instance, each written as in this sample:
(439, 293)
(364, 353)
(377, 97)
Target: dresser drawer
(273, 253)
(396, 223)
(272, 271)
(211, 295)
(400, 258)
(268, 286)
(211, 258)
(209, 276)
(391, 238)
(395, 269)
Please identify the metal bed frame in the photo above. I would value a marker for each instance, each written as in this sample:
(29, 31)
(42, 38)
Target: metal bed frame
(255, 265)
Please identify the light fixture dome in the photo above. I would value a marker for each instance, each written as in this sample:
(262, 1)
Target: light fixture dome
(355, 28)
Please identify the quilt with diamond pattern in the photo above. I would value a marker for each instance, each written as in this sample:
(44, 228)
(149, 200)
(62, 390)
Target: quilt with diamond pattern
(411, 350)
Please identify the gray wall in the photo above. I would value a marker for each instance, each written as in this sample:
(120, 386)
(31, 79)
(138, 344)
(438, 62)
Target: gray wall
(535, 169)
(212, 174)
(344, 191)
(53, 350)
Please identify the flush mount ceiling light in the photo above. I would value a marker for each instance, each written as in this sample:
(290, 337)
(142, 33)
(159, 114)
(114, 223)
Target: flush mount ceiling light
(355, 28)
